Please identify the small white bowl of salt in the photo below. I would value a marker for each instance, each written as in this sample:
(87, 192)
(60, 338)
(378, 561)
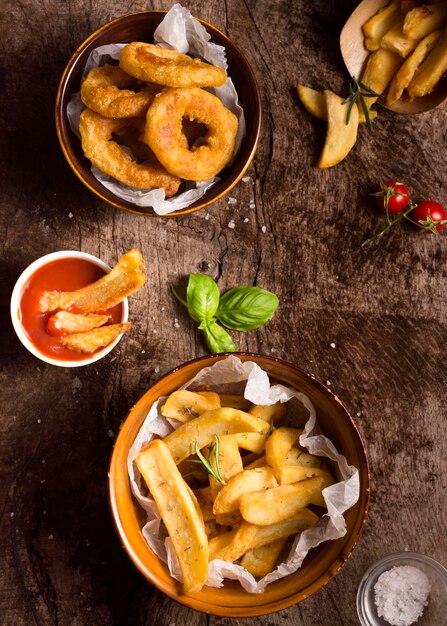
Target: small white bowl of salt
(403, 589)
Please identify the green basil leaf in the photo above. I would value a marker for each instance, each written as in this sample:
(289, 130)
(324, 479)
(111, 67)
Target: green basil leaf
(217, 339)
(246, 308)
(202, 297)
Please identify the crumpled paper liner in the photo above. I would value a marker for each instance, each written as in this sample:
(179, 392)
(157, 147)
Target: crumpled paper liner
(229, 375)
(179, 31)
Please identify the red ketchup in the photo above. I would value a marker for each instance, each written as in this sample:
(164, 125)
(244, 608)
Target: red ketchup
(61, 275)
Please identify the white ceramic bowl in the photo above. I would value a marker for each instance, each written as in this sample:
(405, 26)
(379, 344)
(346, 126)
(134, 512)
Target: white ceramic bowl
(434, 614)
(15, 308)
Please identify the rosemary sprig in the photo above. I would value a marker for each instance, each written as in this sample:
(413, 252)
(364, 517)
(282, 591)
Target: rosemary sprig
(358, 91)
(213, 450)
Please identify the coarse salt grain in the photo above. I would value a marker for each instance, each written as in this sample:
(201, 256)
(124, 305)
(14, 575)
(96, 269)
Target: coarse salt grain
(246, 179)
(231, 224)
(232, 200)
(246, 220)
(264, 229)
(401, 594)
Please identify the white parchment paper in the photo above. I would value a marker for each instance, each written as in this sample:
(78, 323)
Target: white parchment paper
(256, 388)
(179, 31)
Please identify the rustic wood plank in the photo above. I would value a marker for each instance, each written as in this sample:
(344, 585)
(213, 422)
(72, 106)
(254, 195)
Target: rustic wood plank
(383, 307)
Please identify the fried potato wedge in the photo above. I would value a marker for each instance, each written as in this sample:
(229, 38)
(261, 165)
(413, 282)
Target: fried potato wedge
(406, 72)
(66, 322)
(396, 42)
(298, 457)
(278, 446)
(94, 339)
(408, 5)
(126, 277)
(249, 536)
(380, 69)
(254, 442)
(431, 70)
(223, 421)
(183, 405)
(219, 544)
(291, 474)
(260, 462)
(313, 101)
(380, 23)
(270, 413)
(179, 510)
(229, 519)
(227, 499)
(230, 463)
(423, 20)
(275, 505)
(261, 561)
(340, 137)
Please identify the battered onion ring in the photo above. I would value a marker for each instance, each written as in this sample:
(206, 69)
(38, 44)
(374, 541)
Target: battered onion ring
(153, 64)
(164, 134)
(107, 156)
(104, 91)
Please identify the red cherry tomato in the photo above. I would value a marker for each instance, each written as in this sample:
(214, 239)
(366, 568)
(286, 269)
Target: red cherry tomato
(395, 194)
(430, 215)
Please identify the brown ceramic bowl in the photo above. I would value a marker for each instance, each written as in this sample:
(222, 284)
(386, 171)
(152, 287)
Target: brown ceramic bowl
(141, 27)
(320, 565)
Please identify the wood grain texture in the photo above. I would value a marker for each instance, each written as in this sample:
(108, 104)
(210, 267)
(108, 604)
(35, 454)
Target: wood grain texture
(383, 307)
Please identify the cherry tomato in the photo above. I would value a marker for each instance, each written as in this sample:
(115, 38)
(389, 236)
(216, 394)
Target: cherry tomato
(395, 193)
(431, 215)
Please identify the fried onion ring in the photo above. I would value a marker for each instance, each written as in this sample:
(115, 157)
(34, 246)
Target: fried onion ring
(104, 91)
(96, 132)
(164, 134)
(168, 67)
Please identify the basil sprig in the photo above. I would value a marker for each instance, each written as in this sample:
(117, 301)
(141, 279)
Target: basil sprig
(241, 308)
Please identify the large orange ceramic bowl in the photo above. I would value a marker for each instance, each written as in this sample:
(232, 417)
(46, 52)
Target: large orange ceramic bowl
(320, 565)
(140, 27)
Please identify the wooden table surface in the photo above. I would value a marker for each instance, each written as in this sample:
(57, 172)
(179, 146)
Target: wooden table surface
(369, 321)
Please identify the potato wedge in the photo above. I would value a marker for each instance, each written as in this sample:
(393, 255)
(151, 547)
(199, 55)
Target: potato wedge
(230, 519)
(223, 421)
(179, 510)
(406, 72)
(423, 20)
(298, 457)
(340, 137)
(275, 505)
(126, 277)
(291, 474)
(380, 23)
(230, 463)
(254, 442)
(431, 70)
(227, 499)
(219, 544)
(183, 405)
(278, 446)
(203, 495)
(66, 322)
(249, 536)
(396, 42)
(261, 561)
(260, 462)
(313, 101)
(94, 339)
(380, 69)
(270, 413)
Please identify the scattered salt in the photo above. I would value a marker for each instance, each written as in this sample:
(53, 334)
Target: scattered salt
(70, 215)
(358, 414)
(231, 224)
(154, 331)
(232, 200)
(207, 216)
(110, 433)
(11, 514)
(246, 220)
(272, 349)
(246, 179)
(176, 324)
(264, 229)
(401, 594)
(328, 383)
(162, 308)
(157, 369)
(50, 537)
(143, 351)
(39, 421)
(252, 205)
(332, 345)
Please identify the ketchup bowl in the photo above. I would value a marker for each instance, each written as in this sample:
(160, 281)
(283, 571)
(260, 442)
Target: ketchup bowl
(65, 270)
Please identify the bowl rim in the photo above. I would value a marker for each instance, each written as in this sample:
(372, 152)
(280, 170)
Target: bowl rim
(193, 601)
(118, 203)
(388, 561)
(15, 310)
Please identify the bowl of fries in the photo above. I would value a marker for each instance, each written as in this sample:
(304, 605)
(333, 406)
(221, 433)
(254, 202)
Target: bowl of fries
(69, 308)
(398, 49)
(244, 98)
(233, 493)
